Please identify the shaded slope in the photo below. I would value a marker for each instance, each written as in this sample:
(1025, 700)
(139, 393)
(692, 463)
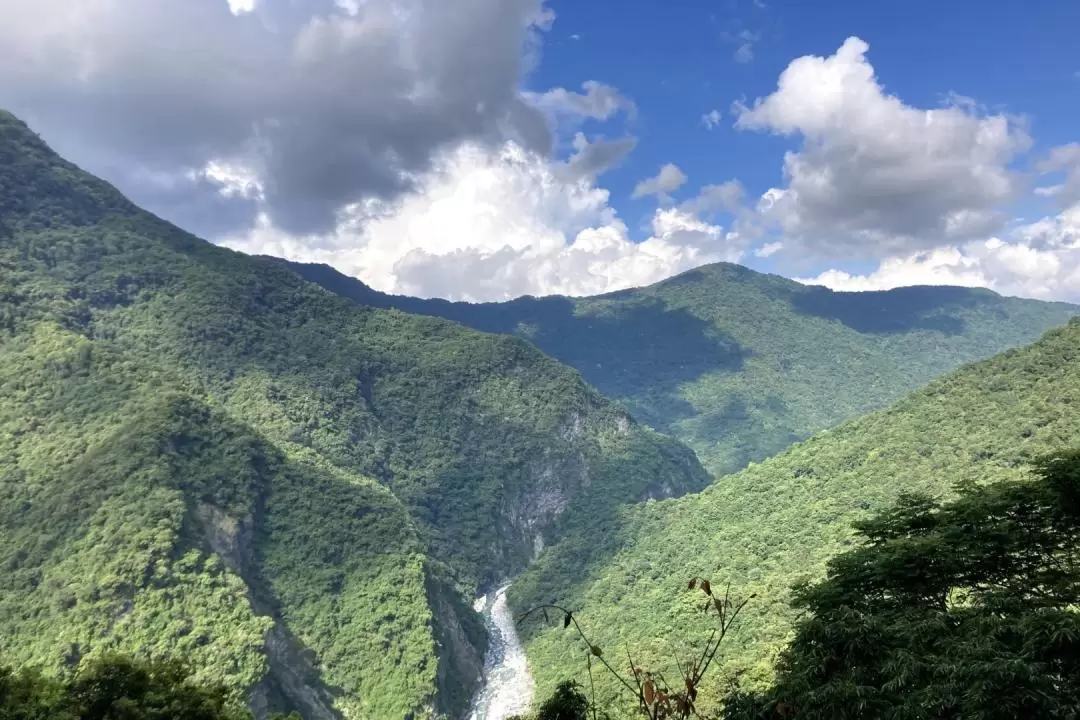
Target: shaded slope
(372, 466)
(779, 521)
(739, 364)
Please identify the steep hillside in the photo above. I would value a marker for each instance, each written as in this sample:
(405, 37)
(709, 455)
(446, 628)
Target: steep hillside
(202, 454)
(738, 364)
(779, 521)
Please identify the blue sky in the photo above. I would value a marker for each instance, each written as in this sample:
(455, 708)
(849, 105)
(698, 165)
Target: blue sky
(486, 149)
(677, 61)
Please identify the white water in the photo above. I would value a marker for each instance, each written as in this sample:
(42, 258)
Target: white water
(507, 687)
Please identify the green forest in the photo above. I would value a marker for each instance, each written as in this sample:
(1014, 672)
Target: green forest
(778, 523)
(739, 365)
(962, 608)
(233, 487)
(203, 455)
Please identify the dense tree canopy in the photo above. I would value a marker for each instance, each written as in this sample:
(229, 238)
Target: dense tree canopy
(116, 688)
(967, 609)
(779, 522)
(738, 364)
(203, 455)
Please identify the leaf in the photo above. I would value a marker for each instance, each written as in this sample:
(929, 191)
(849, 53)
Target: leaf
(649, 691)
(595, 649)
(692, 584)
(706, 587)
(566, 620)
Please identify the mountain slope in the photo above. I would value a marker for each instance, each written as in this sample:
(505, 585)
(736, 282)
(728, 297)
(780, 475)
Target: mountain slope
(202, 454)
(779, 521)
(738, 364)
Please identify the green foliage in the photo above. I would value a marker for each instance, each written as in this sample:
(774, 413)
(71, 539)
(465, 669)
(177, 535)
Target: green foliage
(778, 522)
(964, 609)
(116, 688)
(648, 692)
(740, 365)
(566, 703)
(202, 455)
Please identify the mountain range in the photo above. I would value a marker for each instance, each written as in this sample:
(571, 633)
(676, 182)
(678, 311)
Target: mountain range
(777, 523)
(202, 454)
(739, 364)
(299, 484)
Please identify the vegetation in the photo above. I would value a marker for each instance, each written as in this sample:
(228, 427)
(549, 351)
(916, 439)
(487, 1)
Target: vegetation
(964, 609)
(115, 688)
(779, 522)
(202, 455)
(649, 693)
(740, 365)
(568, 702)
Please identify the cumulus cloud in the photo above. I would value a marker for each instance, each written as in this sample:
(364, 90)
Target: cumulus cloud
(239, 7)
(490, 225)
(669, 179)
(1039, 260)
(874, 176)
(598, 102)
(1064, 159)
(592, 159)
(727, 197)
(325, 102)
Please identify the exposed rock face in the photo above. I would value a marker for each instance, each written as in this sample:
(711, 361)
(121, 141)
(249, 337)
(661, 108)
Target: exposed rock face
(462, 643)
(229, 537)
(293, 672)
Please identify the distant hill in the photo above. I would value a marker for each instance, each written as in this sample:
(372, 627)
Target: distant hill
(204, 456)
(779, 521)
(739, 364)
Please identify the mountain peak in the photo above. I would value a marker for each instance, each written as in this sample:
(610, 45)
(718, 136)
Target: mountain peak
(40, 190)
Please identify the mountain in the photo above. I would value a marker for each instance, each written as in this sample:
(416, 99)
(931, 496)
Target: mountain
(778, 522)
(739, 365)
(203, 455)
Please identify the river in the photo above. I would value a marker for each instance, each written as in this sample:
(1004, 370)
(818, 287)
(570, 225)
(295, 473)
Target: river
(507, 686)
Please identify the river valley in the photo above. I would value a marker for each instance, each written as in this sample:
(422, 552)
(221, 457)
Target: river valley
(507, 688)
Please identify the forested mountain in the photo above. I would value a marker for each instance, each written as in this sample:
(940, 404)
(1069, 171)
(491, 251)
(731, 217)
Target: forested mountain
(203, 455)
(780, 521)
(738, 364)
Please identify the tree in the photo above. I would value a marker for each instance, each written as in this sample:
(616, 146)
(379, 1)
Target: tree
(968, 609)
(653, 697)
(116, 688)
(566, 703)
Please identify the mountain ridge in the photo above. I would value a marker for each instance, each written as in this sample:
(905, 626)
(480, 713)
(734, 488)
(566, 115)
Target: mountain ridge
(778, 522)
(299, 494)
(740, 364)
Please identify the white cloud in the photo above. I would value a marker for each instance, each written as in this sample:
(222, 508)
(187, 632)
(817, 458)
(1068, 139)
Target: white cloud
(327, 101)
(669, 179)
(1039, 260)
(1049, 190)
(711, 119)
(745, 52)
(1064, 159)
(240, 7)
(599, 101)
(593, 158)
(769, 249)
(724, 197)
(877, 177)
(486, 225)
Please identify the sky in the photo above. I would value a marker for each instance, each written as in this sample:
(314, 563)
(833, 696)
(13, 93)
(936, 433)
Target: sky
(487, 149)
